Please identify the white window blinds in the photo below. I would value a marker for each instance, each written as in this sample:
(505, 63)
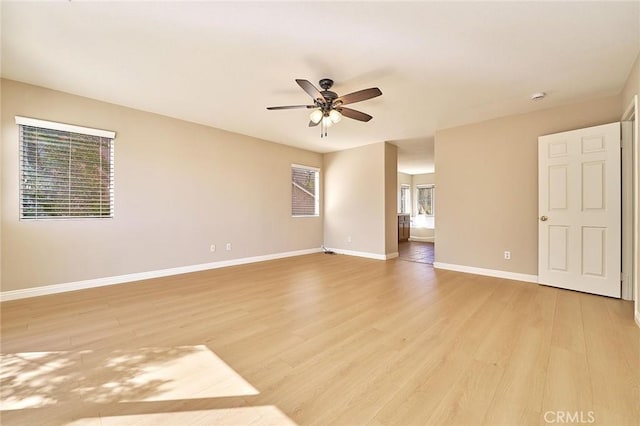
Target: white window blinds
(65, 171)
(304, 191)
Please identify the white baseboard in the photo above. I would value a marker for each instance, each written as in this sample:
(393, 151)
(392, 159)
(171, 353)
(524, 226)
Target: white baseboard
(488, 272)
(122, 279)
(366, 254)
(423, 239)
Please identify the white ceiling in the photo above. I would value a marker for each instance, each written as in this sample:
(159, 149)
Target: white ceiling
(416, 156)
(438, 64)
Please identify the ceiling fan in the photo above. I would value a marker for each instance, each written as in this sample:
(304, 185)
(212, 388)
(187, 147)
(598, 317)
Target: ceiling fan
(328, 107)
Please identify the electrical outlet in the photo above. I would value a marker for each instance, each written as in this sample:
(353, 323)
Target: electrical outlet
(228, 246)
(212, 248)
(507, 255)
(349, 239)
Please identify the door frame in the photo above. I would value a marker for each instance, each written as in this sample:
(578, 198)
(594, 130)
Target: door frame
(630, 216)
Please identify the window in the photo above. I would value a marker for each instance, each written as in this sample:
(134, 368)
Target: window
(65, 171)
(405, 199)
(425, 200)
(304, 191)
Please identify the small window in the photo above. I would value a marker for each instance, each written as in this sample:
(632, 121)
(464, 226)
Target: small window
(405, 199)
(426, 200)
(304, 191)
(65, 171)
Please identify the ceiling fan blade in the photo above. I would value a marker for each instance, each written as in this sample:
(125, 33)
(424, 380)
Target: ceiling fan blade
(359, 96)
(312, 124)
(308, 87)
(356, 115)
(292, 107)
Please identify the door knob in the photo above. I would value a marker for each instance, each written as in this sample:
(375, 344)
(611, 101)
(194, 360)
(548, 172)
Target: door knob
(543, 218)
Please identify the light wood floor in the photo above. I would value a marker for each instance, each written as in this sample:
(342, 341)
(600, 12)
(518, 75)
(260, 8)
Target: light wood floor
(320, 339)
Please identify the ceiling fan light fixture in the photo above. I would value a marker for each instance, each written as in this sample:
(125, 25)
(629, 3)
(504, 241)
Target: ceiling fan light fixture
(316, 115)
(327, 108)
(335, 116)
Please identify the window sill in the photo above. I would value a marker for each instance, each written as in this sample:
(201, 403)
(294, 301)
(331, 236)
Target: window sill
(423, 222)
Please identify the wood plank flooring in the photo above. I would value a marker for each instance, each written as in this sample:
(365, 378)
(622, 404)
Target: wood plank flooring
(320, 340)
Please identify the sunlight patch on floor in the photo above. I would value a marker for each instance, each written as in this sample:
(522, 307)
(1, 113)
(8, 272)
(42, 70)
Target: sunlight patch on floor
(40, 379)
(254, 416)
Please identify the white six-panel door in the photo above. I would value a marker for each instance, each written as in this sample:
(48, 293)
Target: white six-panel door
(579, 210)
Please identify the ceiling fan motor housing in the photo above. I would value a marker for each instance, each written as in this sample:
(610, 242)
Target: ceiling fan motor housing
(327, 94)
(326, 83)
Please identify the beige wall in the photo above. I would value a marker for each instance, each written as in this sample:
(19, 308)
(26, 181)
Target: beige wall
(179, 187)
(423, 179)
(632, 85)
(487, 184)
(354, 205)
(390, 196)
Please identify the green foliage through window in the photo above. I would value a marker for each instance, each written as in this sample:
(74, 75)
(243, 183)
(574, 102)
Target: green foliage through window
(425, 200)
(65, 174)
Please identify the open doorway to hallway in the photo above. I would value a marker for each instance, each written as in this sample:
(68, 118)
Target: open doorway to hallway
(416, 199)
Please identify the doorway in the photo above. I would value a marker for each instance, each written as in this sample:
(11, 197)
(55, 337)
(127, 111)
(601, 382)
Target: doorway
(416, 199)
(630, 206)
